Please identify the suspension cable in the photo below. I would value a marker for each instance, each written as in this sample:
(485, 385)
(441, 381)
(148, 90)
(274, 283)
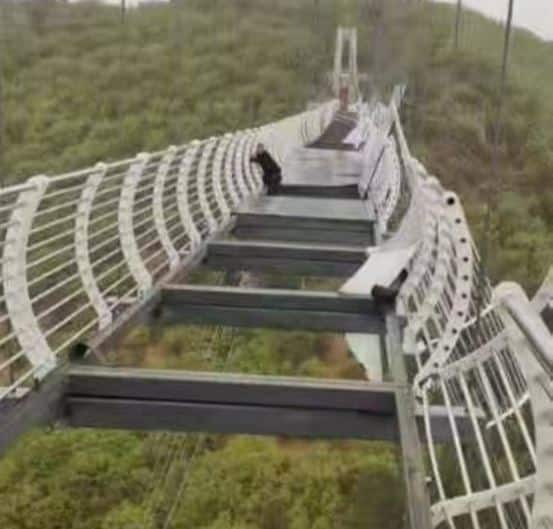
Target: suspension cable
(496, 139)
(458, 22)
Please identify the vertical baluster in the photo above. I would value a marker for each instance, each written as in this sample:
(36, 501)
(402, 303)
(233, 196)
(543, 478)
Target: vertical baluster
(159, 215)
(82, 250)
(14, 271)
(129, 246)
(183, 197)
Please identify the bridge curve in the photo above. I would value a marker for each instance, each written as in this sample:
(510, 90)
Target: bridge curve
(83, 253)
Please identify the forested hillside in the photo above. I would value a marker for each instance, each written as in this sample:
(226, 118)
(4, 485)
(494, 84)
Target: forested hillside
(81, 84)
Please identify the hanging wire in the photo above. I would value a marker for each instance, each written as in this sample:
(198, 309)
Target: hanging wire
(458, 16)
(196, 451)
(176, 451)
(496, 140)
(3, 46)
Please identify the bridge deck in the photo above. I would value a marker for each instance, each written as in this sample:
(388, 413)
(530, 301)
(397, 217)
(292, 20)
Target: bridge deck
(317, 172)
(318, 225)
(334, 210)
(270, 308)
(194, 402)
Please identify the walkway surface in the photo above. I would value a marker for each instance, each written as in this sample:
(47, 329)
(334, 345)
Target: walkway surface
(316, 227)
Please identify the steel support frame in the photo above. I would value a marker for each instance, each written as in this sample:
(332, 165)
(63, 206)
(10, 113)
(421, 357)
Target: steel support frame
(300, 259)
(269, 308)
(418, 501)
(139, 399)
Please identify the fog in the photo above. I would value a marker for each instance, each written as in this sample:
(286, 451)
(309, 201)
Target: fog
(535, 15)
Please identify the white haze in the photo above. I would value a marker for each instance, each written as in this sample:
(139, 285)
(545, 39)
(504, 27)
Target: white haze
(535, 15)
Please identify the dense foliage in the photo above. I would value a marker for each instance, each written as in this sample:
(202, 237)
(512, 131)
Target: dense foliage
(80, 85)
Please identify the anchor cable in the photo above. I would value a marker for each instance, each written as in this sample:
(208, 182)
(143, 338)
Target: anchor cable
(496, 140)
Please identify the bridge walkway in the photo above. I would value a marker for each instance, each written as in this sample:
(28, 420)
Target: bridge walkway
(317, 226)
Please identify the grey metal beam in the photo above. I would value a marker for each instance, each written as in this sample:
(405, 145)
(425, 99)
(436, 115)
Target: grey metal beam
(230, 388)
(223, 419)
(101, 344)
(235, 402)
(349, 232)
(41, 407)
(321, 191)
(270, 308)
(104, 397)
(300, 259)
(418, 501)
(135, 399)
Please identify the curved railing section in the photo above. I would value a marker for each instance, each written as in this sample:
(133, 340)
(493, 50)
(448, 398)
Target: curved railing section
(462, 350)
(78, 248)
(543, 300)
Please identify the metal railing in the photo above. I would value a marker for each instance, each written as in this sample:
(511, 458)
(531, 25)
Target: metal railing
(462, 350)
(77, 248)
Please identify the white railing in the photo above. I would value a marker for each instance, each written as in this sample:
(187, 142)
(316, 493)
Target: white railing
(543, 298)
(386, 182)
(462, 352)
(75, 249)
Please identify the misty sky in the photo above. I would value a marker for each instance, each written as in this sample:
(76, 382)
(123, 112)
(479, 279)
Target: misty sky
(536, 15)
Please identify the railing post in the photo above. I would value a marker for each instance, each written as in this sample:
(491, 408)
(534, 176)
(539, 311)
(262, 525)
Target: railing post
(82, 254)
(14, 270)
(131, 252)
(218, 173)
(538, 371)
(190, 228)
(229, 170)
(255, 182)
(239, 167)
(202, 184)
(159, 216)
(513, 298)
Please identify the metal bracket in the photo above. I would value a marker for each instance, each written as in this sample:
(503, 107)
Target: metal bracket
(218, 174)
(159, 216)
(136, 265)
(190, 227)
(82, 255)
(202, 183)
(16, 289)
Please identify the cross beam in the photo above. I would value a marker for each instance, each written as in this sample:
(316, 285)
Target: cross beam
(140, 399)
(299, 259)
(135, 399)
(270, 308)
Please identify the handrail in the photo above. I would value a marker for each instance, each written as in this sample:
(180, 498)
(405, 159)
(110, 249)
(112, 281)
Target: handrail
(458, 350)
(514, 300)
(76, 247)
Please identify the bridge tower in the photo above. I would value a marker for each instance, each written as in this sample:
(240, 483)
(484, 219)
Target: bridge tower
(463, 377)
(345, 78)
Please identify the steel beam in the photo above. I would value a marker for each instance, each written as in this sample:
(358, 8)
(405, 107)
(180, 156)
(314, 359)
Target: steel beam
(322, 191)
(414, 473)
(139, 399)
(269, 308)
(304, 229)
(134, 399)
(299, 259)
